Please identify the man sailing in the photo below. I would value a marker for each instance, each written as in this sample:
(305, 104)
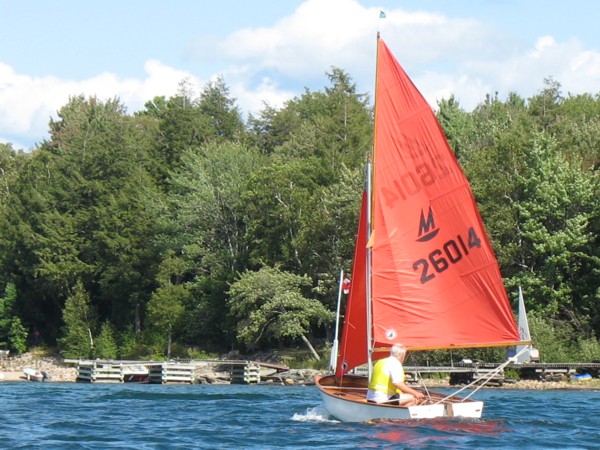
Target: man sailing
(387, 380)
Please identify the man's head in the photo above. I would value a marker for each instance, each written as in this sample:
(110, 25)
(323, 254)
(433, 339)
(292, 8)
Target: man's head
(399, 351)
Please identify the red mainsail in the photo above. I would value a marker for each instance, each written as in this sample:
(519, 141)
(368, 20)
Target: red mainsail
(435, 279)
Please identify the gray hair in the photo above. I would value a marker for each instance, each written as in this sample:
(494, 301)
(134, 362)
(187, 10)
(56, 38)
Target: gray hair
(398, 350)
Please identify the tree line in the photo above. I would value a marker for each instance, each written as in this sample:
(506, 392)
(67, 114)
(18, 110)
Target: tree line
(185, 225)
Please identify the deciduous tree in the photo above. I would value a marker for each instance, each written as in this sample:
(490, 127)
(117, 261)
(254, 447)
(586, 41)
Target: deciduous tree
(270, 304)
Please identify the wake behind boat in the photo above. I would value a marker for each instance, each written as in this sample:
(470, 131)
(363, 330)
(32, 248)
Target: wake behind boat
(424, 272)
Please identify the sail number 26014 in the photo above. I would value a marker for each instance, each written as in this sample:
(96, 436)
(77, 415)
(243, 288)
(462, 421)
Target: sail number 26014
(448, 254)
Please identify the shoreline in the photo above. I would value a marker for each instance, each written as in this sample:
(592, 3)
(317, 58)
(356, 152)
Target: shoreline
(535, 385)
(300, 377)
(12, 371)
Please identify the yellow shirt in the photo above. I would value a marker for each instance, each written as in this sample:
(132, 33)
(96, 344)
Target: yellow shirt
(386, 372)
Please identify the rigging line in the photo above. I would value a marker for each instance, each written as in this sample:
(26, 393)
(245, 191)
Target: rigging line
(493, 372)
(497, 370)
(423, 385)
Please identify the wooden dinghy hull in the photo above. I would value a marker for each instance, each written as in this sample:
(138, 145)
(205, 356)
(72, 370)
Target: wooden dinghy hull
(347, 402)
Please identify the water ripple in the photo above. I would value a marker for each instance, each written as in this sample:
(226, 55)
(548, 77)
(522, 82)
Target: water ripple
(94, 416)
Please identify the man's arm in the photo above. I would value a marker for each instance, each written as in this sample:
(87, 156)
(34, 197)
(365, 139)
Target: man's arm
(408, 390)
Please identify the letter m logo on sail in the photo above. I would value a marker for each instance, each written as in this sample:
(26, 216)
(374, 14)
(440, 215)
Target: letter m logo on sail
(427, 229)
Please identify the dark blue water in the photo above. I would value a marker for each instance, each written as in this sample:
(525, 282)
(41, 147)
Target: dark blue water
(95, 416)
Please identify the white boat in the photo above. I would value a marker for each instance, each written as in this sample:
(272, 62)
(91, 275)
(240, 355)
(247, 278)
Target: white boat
(424, 272)
(35, 375)
(135, 373)
(345, 399)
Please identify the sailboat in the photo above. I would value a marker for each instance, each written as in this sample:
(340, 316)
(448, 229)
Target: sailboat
(424, 273)
(526, 352)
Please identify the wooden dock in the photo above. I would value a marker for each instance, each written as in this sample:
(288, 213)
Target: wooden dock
(100, 372)
(253, 372)
(464, 373)
(245, 374)
(119, 372)
(168, 372)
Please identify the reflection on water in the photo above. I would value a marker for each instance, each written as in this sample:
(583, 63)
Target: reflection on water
(430, 431)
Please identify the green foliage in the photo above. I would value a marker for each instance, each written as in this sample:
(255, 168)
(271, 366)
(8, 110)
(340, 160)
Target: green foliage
(79, 319)
(166, 306)
(545, 107)
(205, 222)
(224, 118)
(17, 336)
(451, 357)
(587, 349)
(540, 205)
(77, 214)
(269, 304)
(154, 216)
(106, 345)
(132, 345)
(200, 354)
(554, 218)
(326, 238)
(302, 358)
(7, 304)
(456, 124)
(309, 362)
(432, 358)
(277, 198)
(555, 340)
(512, 374)
(13, 335)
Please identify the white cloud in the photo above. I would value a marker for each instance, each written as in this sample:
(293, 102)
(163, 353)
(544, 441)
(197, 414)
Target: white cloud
(342, 33)
(316, 35)
(266, 92)
(542, 44)
(576, 69)
(443, 55)
(27, 103)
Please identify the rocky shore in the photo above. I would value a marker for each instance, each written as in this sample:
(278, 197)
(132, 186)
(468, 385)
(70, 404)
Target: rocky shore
(12, 368)
(209, 373)
(213, 373)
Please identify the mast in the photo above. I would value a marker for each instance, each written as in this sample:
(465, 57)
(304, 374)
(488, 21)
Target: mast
(368, 273)
(370, 164)
(334, 347)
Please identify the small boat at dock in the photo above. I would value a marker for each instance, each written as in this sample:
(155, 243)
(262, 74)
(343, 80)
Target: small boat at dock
(35, 375)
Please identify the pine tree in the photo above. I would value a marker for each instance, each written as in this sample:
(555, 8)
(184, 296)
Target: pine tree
(77, 340)
(106, 346)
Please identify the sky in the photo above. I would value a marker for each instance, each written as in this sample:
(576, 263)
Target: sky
(270, 51)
